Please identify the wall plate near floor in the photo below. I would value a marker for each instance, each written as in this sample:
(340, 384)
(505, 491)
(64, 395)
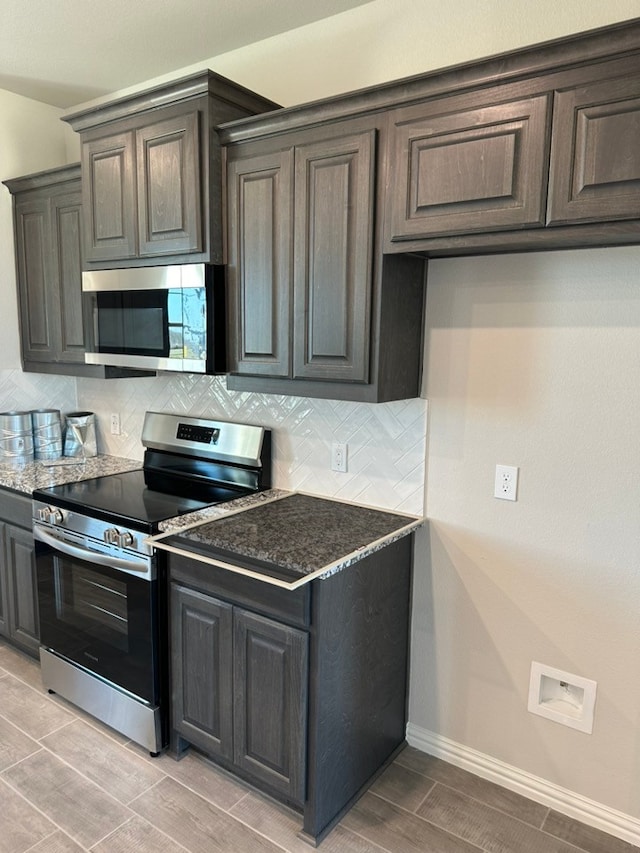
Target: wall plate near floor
(563, 697)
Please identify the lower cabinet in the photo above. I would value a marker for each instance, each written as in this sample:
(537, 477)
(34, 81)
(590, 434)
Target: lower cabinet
(302, 693)
(239, 688)
(18, 590)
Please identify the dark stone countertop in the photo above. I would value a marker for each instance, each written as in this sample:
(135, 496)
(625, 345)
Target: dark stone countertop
(293, 536)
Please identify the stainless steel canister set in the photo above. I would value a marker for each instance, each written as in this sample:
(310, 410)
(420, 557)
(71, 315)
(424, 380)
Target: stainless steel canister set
(41, 434)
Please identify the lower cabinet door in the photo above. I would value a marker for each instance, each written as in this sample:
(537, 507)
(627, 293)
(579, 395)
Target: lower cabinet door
(4, 571)
(22, 593)
(270, 702)
(201, 660)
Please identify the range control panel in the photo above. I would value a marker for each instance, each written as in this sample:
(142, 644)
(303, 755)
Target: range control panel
(197, 433)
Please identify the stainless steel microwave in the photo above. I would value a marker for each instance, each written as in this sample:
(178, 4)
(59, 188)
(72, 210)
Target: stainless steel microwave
(159, 318)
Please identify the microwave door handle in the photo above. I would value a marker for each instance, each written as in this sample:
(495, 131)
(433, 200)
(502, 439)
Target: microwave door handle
(129, 566)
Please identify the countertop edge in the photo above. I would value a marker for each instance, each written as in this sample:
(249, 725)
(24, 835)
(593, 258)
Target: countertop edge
(173, 527)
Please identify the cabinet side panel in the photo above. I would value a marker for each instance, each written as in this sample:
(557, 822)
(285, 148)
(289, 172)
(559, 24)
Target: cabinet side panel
(358, 678)
(401, 326)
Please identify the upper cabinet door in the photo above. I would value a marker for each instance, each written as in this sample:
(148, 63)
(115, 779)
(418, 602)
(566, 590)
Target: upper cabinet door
(169, 194)
(259, 270)
(74, 315)
(108, 193)
(333, 254)
(461, 169)
(595, 152)
(33, 255)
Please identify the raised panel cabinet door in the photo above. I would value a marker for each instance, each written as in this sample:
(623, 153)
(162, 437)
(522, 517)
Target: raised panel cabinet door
(333, 256)
(259, 262)
(75, 319)
(201, 677)
(4, 619)
(33, 251)
(22, 591)
(479, 169)
(270, 702)
(169, 190)
(595, 152)
(109, 198)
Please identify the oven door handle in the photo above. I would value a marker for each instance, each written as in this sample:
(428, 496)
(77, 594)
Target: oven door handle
(129, 566)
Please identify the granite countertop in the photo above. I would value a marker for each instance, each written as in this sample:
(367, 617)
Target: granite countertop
(286, 538)
(26, 477)
(209, 513)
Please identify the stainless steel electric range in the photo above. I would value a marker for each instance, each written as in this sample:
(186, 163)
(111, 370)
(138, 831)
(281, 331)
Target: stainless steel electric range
(102, 589)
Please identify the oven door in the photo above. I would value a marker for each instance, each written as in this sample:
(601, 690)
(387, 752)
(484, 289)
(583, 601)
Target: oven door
(100, 618)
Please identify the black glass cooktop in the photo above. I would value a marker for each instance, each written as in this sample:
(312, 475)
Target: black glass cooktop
(128, 498)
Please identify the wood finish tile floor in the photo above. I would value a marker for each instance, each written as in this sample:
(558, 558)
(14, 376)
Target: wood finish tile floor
(69, 784)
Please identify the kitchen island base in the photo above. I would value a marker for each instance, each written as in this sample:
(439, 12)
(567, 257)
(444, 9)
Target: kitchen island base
(302, 693)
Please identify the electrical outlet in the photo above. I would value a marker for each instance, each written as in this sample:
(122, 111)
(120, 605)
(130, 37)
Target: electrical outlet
(339, 457)
(115, 423)
(506, 485)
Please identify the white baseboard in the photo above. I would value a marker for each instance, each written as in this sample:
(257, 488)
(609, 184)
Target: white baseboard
(562, 800)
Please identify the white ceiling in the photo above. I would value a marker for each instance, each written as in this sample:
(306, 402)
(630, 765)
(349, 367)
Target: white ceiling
(65, 52)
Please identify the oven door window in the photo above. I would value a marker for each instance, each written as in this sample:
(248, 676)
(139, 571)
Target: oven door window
(159, 323)
(99, 618)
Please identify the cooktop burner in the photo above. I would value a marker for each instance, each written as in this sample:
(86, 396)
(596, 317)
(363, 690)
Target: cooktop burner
(127, 498)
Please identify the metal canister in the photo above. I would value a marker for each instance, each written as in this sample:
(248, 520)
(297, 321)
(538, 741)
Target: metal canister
(16, 437)
(47, 433)
(80, 437)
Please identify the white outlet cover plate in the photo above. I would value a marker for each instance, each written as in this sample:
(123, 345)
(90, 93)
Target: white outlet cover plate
(506, 483)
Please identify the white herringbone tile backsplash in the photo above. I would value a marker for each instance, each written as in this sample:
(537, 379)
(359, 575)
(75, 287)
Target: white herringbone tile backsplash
(26, 391)
(386, 441)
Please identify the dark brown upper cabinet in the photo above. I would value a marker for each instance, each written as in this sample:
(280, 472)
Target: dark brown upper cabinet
(151, 173)
(461, 167)
(330, 205)
(306, 296)
(595, 154)
(55, 323)
(550, 161)
(300, 256)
